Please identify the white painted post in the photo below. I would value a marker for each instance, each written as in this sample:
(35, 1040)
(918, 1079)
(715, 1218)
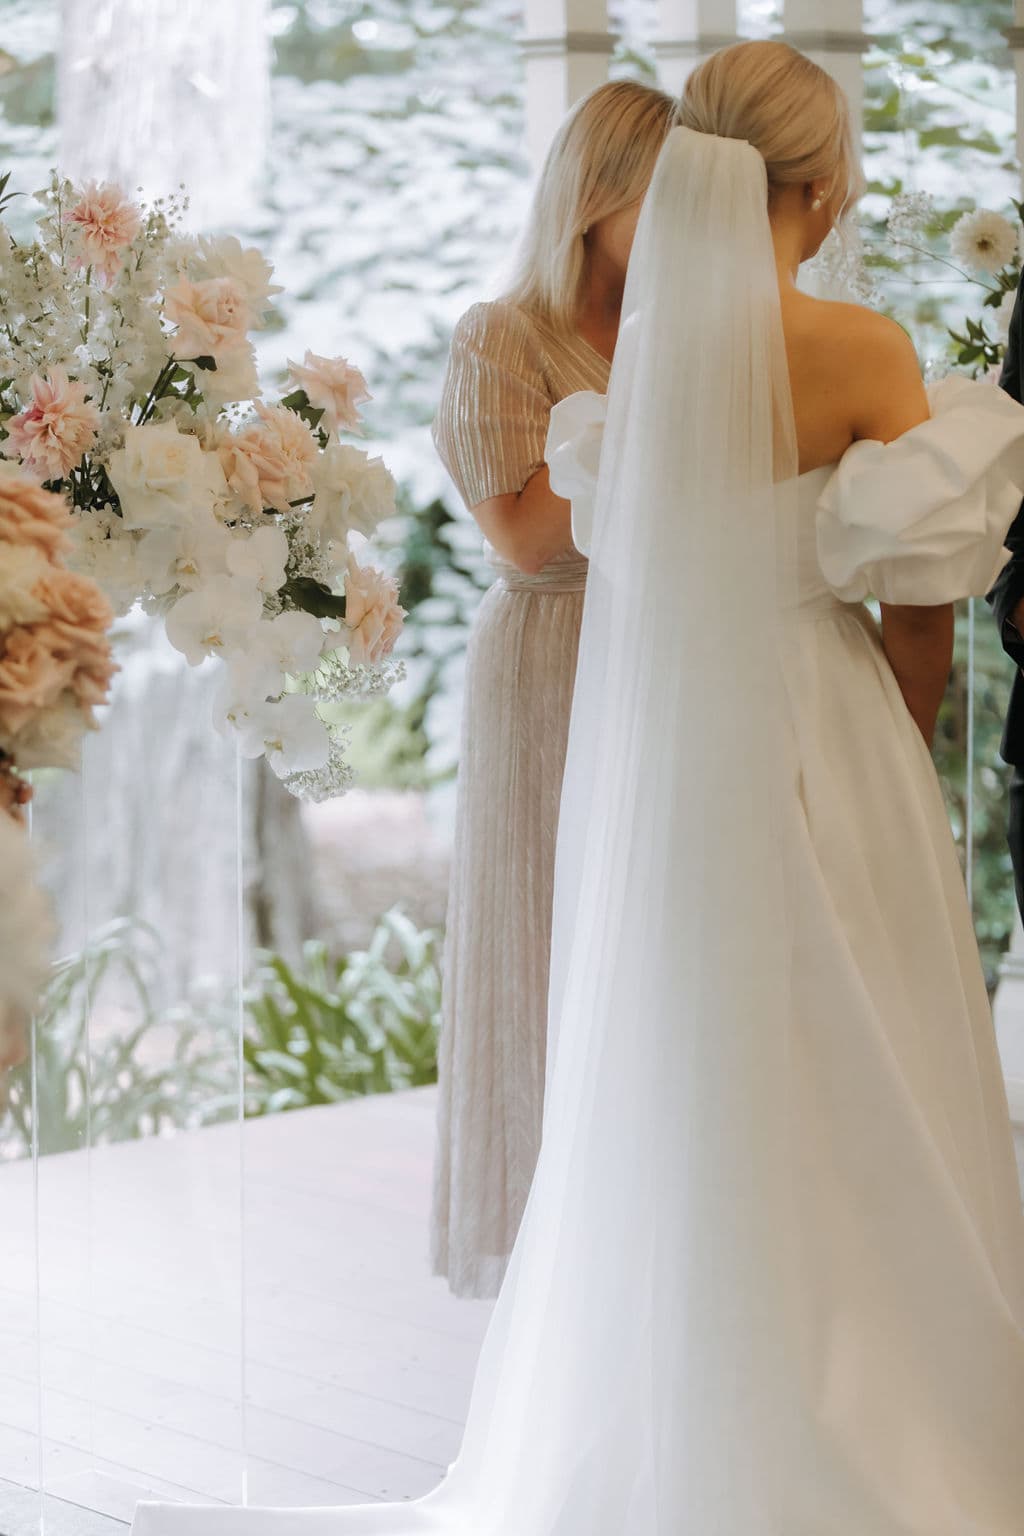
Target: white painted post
(566, 46)
(832, 33)
(1015, 38)
(687, 31)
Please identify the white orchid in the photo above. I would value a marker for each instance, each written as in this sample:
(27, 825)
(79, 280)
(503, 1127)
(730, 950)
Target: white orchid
(214, 619)
(262, 559)
(289, 732)
(292, 642)
(187, 556)
(248, 683)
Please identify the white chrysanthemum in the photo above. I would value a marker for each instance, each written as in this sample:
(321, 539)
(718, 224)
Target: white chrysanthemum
(225, 256)
(984, 241)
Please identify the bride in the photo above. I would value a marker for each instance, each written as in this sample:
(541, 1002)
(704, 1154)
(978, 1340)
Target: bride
(771, 1276)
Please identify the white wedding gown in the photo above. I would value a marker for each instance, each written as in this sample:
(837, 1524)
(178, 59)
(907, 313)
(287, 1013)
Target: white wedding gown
(770, 1280)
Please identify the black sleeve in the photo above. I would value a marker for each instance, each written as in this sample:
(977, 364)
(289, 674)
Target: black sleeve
(1009, 587)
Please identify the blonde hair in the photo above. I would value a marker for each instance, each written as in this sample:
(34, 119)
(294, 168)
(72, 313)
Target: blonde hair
(787, 107)
(601, 160)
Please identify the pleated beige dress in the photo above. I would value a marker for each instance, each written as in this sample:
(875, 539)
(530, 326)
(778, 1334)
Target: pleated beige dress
(505, 372)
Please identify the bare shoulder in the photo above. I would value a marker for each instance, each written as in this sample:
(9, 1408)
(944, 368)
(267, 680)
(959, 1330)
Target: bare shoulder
(882, 385)
(867, 337)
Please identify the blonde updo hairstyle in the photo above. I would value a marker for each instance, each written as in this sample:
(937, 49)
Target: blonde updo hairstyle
(787, 107)
(600, 161)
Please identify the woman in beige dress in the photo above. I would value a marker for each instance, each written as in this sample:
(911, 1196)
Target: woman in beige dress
(554, 333)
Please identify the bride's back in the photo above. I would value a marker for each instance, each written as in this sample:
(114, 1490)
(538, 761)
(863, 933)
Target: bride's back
(853, 374)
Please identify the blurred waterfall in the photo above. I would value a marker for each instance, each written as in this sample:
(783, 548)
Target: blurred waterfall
(152, 93)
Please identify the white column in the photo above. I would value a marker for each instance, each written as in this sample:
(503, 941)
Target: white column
(566, 45)
(832, 33)
(156, 92)
(687, 31)
(1015, 38)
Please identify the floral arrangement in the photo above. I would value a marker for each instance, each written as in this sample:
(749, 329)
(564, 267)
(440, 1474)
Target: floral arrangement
(55, 659)
(982, 248)
(128, 385)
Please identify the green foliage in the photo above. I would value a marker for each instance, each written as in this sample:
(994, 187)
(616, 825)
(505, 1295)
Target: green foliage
(992, 876)
(336, 1028)
(327, 1031)
(96, 1086)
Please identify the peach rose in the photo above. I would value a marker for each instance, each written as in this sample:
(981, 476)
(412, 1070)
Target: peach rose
(74, 601)
(106, 224)
(58, 427)
(269, 463)
(29, 515)
(333, 386)
(373, 617)
(212, 316)
(35, 669)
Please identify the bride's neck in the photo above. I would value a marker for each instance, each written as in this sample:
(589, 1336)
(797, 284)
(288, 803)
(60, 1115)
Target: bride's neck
(788, 240)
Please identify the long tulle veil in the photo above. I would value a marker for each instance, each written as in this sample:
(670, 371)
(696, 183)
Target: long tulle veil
(644, 1260)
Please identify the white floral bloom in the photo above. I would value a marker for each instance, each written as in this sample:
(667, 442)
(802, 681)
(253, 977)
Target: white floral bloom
(984, 241)
(20, 568)
(910, 214)
(248, 683)
(352, 493)
(262, 558)
(292, 642)
(1004, 314)
(162, 475)
(289, 732)
(234, 378)
(188, 555)
(213, 619)
(225, 256)
(105, 550)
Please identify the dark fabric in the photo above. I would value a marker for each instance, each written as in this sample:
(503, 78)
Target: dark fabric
(1009, 589)
(1015, 834)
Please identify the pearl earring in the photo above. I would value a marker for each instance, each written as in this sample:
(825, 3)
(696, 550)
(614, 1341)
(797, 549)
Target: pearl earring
(816, 204)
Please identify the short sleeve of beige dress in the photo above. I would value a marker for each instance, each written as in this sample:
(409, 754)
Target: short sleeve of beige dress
(505, 372)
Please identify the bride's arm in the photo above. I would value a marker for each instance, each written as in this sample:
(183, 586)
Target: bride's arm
(919, 645)
(918, 642)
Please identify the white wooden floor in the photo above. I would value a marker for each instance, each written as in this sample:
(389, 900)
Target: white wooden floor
(357, 1364)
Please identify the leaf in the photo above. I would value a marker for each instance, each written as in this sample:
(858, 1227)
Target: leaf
(315, 598)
